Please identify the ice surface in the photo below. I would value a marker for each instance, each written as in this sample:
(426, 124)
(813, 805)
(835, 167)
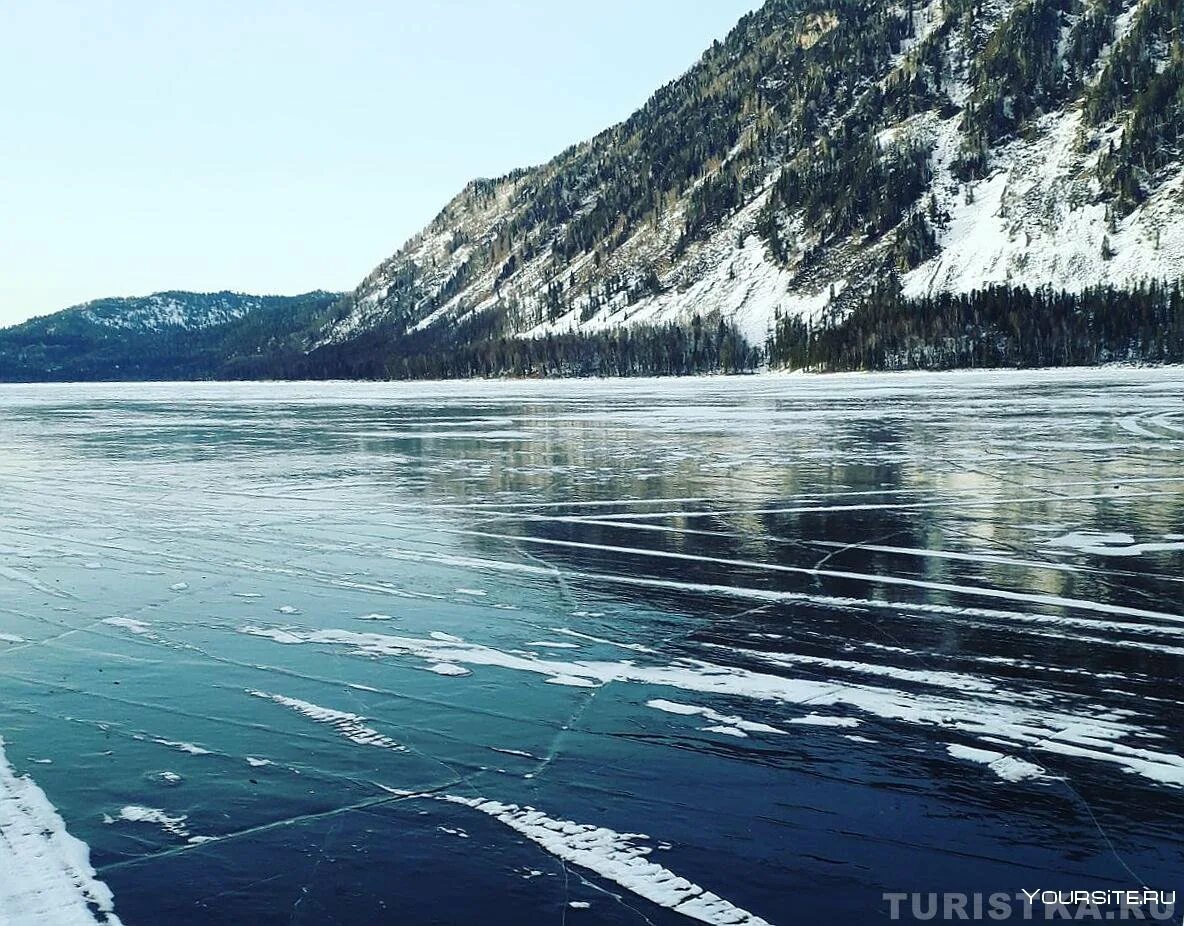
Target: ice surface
(965, 704)
(746, 615)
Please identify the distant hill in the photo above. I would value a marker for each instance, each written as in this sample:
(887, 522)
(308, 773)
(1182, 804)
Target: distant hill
(174, 335)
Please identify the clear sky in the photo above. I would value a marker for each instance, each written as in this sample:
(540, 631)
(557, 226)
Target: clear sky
(278, 147)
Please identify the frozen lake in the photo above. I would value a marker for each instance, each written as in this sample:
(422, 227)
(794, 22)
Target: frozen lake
(502, 653)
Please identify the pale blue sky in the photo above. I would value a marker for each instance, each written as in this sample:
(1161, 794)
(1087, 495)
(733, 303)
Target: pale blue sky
(278, 147)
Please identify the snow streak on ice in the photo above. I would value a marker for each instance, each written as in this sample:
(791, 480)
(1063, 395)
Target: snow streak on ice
(46, 878)
(617, 857)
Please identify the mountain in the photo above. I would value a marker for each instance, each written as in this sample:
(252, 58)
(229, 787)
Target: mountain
(174, 335)
(837, 184)
(824, 150)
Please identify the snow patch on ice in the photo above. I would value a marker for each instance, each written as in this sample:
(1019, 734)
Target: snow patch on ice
(174, 826)
(1111, 544)
(823, 720)
(571, 681)
(140, 628)
(190, 748)
(725, 723)
(1007, 767)
(449, 668)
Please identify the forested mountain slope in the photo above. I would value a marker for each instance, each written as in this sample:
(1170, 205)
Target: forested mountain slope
(821, 149)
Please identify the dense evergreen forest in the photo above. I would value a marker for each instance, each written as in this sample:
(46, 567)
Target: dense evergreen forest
(993, 327)
(997, 327)
(704, 346)
(989, 328)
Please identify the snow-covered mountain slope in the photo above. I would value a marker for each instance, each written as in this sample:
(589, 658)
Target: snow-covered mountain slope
(822, 147)
(1039, 219)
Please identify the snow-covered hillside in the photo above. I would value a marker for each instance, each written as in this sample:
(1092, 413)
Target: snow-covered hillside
(1039, 219)
(159, 311)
